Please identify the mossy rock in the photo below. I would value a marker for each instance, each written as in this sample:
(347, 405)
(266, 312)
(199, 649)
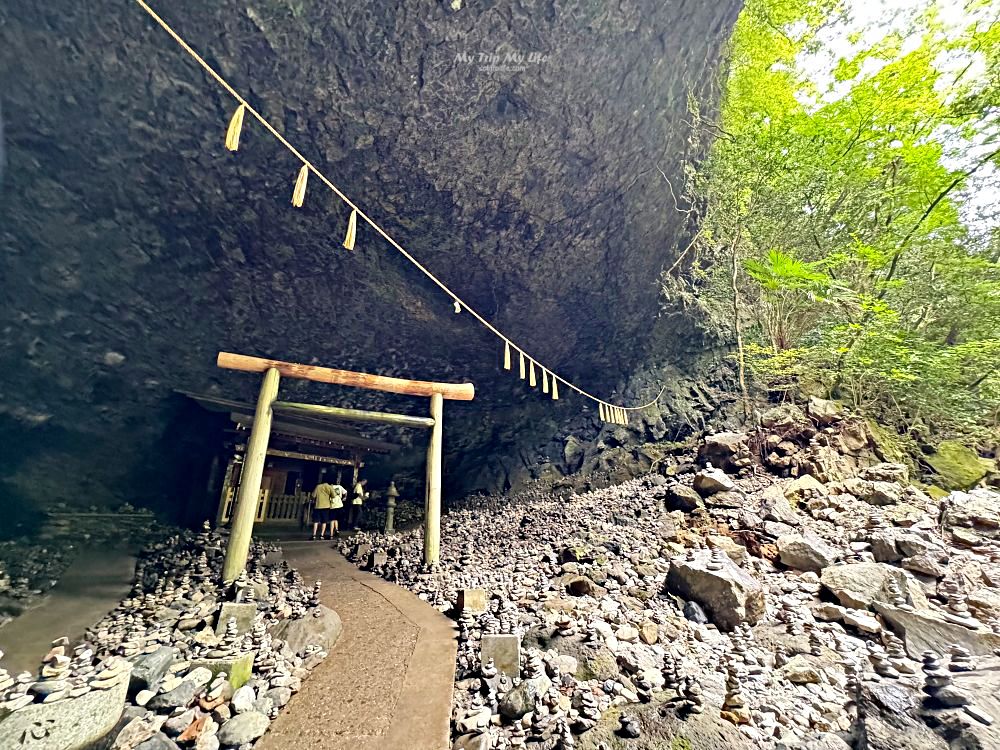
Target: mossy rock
(889, 446)
(238, 668)
(934, 491)
(957, 467)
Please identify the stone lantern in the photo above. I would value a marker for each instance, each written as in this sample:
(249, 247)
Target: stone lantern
(390, 510)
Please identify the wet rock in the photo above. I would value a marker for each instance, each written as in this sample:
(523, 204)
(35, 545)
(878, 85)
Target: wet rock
(805, 552)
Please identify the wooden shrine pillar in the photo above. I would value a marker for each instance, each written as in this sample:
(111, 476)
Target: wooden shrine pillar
(253, 470)
(432, 504)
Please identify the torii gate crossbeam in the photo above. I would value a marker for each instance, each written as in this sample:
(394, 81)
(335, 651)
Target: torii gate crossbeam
(267, 405)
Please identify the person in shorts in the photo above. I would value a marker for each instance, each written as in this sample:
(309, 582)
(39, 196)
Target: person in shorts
(336, 508)
(322, 509)
(357, 504)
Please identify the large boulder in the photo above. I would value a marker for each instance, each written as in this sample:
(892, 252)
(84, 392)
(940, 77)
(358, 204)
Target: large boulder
(149, 669)
(874, 492)
(709, 481)
(804, 488)
(730, 596)
(776, 507)
(859, 585)
(521, 698)
(886, 472)
(956, 467)
(322, 631)
(730, 451)
(924, 630)
(573, 453)
(783, 417)
(67, 724)
(243, 728)
(978, 510)
(805, 552)
(823, 411)
(682, 497)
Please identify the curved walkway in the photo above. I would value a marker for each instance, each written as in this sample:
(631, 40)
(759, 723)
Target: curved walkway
(387, 683)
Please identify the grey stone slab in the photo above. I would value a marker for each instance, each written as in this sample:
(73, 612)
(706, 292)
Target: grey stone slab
(244, 612)
(68, 724)
(472, 600)
(504, 650)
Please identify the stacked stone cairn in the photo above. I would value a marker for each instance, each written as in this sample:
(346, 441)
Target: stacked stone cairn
(805, 584)
(162, 636)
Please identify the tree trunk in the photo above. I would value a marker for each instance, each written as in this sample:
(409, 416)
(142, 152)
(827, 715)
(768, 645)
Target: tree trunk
(741, 360)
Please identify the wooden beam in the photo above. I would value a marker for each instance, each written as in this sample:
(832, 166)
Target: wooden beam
(253, 469)
(451, 391)
(351, 415)
(304, 456)
(432, 505)
(346, 441)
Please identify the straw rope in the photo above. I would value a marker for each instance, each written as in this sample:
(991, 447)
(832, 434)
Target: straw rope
(309, 167)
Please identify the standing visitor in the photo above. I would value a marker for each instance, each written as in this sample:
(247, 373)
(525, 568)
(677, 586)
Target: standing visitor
(337, 508)
(322, 509)
(357, 504)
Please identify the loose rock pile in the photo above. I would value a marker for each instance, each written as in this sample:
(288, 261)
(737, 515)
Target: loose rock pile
(731, 609)
(204, 662)
(27, 571)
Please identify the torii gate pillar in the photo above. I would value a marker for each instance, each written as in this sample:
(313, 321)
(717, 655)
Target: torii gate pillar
(432, 505)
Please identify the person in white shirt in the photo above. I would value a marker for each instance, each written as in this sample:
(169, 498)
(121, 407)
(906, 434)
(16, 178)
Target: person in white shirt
(337, 509)
(357, 504)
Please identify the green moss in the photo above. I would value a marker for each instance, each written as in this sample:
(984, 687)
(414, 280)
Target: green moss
(934, 491)
(680, 743)
(957, 467)
(889, 446)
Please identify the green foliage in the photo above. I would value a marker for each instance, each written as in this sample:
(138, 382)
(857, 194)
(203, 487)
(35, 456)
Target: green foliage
(843, 211)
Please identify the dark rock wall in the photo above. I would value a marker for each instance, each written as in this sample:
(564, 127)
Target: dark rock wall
(134, 247)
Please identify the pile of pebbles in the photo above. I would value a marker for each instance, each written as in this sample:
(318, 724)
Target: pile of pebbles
(27, 571)
(589, 584)
(163, 635)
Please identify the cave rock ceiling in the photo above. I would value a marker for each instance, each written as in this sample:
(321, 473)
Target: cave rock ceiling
(515, 148)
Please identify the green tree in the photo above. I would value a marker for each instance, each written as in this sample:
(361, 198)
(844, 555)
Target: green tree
(836, 217)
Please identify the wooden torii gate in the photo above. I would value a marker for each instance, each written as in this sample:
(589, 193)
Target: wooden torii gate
(268, 405)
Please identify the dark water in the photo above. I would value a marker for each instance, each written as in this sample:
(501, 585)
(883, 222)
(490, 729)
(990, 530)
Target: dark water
(90, 588)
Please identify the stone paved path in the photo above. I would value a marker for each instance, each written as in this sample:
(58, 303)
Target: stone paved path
(387, 683)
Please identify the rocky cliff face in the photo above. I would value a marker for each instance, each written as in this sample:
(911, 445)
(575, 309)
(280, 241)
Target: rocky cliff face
(516, 148)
